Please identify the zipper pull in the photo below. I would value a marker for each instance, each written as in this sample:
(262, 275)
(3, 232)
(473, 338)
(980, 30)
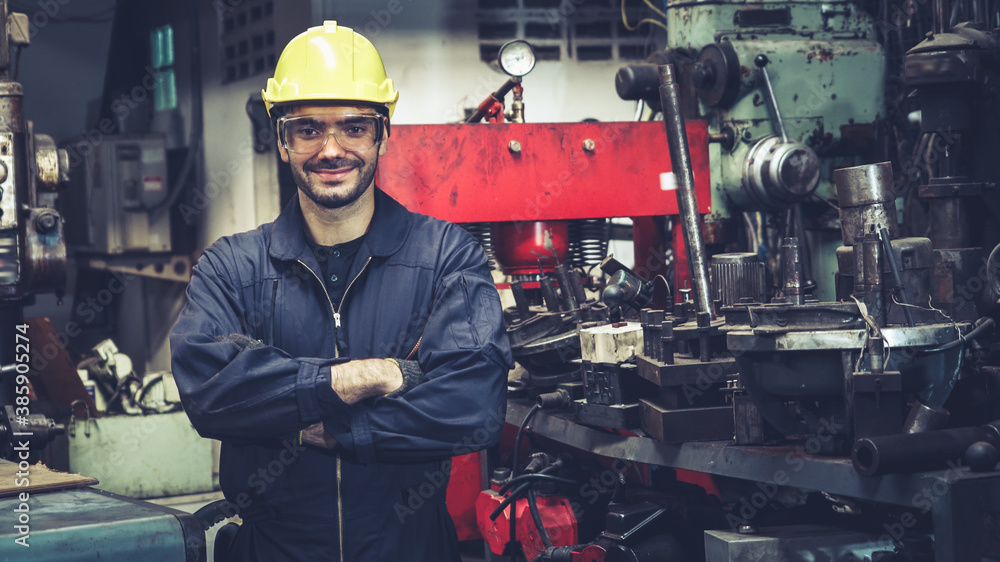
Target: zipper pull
(336, 320)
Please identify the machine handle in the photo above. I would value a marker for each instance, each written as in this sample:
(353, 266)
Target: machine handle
(762, 61)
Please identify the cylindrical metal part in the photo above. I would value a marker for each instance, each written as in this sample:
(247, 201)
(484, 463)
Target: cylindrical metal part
(791, 269)
(949, 218)
(652, 321)
(876, 353)
(576, 285)
(667, 341)
(738, 276)
(566, 296)
(687, 200)
(867, 201)
(868, 285)
(704, 341)
(923, 418)
(646, 331)
(897, 277)
(521, 300)
(549, 294)
(905, 453)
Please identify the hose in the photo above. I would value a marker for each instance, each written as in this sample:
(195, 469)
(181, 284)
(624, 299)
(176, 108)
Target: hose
(532, 478)
(537, 518)
(517, 440)
(982, 325)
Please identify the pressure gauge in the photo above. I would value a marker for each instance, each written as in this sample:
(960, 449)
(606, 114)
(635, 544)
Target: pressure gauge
(516, 57)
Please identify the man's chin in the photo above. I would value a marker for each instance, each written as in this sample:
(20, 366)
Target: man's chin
(335, 200)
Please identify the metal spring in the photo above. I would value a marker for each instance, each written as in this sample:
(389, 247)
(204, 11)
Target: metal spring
(483, 232)
(588, 241)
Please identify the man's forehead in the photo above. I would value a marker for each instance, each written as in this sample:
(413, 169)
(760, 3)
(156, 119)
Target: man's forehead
(331, 109)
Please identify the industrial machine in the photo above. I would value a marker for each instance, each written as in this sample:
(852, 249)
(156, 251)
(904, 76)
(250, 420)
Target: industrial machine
(57, 516)
(810, 316)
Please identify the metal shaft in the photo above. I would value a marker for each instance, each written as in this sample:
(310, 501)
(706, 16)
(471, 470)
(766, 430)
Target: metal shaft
(891, 454)
(762, 63)
(890, 256)
(687, 200)
(791, 267)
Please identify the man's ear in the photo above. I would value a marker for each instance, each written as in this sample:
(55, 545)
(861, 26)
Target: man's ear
(383, 146)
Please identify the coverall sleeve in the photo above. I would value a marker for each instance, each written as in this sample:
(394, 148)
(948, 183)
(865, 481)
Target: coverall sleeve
(465, 355)
(236, 392)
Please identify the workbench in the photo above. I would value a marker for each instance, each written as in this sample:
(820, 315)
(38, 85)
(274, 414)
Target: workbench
(957, 498)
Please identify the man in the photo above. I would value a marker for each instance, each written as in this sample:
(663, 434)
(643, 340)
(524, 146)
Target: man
(344, 352)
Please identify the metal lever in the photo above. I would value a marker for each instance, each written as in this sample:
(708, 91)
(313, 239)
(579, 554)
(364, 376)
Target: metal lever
(762, 61)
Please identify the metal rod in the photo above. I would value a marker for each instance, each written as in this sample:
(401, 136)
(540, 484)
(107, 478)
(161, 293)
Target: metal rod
(894, 267)
(521, 300)
(916, 452)
(496, 96)
(793, 286)
(800, 228)
(567, 297)
(687, 200)
(761, 62)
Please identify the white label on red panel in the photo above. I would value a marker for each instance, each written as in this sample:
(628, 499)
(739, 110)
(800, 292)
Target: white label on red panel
(668, 181)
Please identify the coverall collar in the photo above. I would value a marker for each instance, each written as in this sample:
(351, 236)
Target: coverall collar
(385, 236)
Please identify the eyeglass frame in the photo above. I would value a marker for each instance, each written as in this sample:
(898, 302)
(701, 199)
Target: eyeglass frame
(380, 121)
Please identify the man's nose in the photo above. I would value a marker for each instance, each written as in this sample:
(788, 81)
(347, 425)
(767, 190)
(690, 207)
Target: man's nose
(332, 148)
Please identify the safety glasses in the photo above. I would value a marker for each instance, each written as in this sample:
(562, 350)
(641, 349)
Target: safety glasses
(308, 134)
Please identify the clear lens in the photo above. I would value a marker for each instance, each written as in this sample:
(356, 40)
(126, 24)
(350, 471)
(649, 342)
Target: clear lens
(308, 134)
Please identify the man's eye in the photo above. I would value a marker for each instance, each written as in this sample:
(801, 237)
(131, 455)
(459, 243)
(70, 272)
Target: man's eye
(308, 132)
(356, 130)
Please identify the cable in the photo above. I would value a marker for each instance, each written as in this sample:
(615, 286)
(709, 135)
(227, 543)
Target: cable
(517, 440)
(656, 10)
(982, 325)
(513, 473)
(532, 478)
(642, 21)
(537, 518)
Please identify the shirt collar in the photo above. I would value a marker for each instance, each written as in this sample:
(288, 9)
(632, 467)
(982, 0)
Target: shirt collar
(389, 227)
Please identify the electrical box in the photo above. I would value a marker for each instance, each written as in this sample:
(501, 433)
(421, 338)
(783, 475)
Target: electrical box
(116, 203)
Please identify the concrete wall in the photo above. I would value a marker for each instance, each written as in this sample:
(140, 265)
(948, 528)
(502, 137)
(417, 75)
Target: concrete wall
(431, 51)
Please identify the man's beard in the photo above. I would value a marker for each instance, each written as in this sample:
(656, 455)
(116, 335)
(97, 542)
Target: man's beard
(366, 175)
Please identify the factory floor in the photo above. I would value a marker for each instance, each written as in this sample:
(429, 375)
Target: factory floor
(472, 551)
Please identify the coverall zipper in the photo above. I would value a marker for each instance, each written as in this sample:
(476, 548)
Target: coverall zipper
(336, 353)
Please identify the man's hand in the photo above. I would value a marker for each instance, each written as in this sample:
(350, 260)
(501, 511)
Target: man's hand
(363, 378)
(317, 436)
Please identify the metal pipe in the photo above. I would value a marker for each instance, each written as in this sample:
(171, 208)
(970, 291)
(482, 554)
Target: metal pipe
(496, 96)
(916, 452)
(940, 20)
(791, 268)
(549, 294)
(687, 200)
(890, 256)
(761, 61)
(567, 297)
(923, 418)
(521, 300)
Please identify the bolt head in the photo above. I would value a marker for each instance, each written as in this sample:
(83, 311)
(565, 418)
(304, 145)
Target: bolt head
(46, 223)
(589, 145)
(514, 146)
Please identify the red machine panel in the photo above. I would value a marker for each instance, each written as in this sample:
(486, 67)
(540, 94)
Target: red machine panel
(537, 171)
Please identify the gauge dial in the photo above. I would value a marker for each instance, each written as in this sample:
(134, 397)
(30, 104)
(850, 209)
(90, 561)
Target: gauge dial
(516, 58)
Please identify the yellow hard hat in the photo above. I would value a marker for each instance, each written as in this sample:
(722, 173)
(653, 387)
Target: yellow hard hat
(329, 62)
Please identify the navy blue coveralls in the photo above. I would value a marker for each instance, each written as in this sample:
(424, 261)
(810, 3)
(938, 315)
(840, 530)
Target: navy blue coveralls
(419, 287)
